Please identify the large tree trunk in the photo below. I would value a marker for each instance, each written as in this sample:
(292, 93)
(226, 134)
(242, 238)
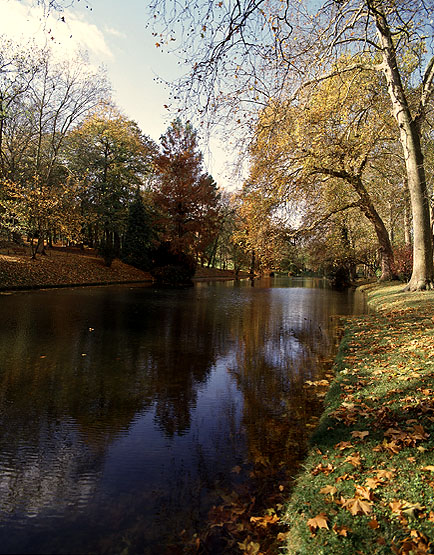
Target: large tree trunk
(409, 131)
(423, 272)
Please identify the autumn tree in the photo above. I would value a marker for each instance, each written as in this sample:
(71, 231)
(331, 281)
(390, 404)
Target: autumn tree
(186, 195)
(18, 69)
(111, 158)
(295, 44)
(43, 99)
(35, 210)
(324, 153)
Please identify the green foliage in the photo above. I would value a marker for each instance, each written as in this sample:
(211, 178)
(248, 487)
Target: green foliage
(111, 157)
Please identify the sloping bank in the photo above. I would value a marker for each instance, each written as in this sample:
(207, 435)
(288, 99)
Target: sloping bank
(71, 269)
(368, 481)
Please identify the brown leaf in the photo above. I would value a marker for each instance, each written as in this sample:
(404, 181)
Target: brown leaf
(319, 521)
(354, 459)
(392, 447)
(396, 506)
(358, 506)
(345, 476)
(386, 474)
(360, 435)
(264, 521)
(328, 490)
(326, 469)
(341, 530)
(364, 493)
(373, 524)
(373, 483)
(344, 445)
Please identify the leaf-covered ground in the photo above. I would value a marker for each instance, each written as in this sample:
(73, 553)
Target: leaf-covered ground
(368, 482)
(61, 268)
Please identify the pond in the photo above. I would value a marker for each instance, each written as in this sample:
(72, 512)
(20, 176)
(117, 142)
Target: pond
(127, 412)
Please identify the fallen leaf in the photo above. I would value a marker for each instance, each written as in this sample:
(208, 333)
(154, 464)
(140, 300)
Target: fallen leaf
(328, 490)
(354, 459)
(373, 483)
(410, 509)
(341, 530)
(386, 474)
(358, 506)
(319, 521)
(264, 521)
(360, 435)
(373, 524)
(395, 506)
(344, 445)
(326, 469)
(364, 493)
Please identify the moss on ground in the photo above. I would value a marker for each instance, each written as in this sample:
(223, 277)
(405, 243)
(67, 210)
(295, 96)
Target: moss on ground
(368, 481)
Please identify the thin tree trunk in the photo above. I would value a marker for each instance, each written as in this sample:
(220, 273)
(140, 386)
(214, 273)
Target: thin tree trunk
(385, 245)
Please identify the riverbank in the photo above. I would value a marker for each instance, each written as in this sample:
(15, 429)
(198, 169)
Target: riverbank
(368, 481)
(68, 268)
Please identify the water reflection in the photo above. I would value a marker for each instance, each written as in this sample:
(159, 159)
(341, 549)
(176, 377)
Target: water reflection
(124, 409)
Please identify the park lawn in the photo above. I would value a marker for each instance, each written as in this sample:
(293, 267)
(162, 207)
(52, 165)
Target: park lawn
(367, 485)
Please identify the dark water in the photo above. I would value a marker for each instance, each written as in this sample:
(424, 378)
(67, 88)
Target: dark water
(124, 410)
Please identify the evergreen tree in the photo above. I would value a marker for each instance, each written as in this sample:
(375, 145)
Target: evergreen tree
(141, 235)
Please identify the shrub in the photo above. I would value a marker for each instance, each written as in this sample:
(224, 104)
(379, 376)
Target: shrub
(172, 268)
(403, 262)
(108, 252)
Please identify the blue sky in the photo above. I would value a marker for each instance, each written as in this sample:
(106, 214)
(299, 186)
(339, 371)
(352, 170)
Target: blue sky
(114, 34)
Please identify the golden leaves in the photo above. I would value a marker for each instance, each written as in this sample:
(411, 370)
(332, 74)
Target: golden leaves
(264, 521)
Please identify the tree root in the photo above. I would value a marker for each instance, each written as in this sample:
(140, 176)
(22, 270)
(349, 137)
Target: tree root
(419, 285)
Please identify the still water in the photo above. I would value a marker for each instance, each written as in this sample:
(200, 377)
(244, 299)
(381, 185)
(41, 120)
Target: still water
(127, 412)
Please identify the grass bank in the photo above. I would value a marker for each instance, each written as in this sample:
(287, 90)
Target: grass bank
(368, 481)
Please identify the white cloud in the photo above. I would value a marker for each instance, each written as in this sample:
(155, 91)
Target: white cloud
(115, 33)
(65, 32)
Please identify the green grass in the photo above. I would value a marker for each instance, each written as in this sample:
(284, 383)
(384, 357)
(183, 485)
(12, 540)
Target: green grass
(384, 385)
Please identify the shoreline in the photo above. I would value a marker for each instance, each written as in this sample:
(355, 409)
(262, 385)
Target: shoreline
(368, 479)
(66, 269)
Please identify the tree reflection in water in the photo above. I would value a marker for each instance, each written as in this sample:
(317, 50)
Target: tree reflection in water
(124, 409)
